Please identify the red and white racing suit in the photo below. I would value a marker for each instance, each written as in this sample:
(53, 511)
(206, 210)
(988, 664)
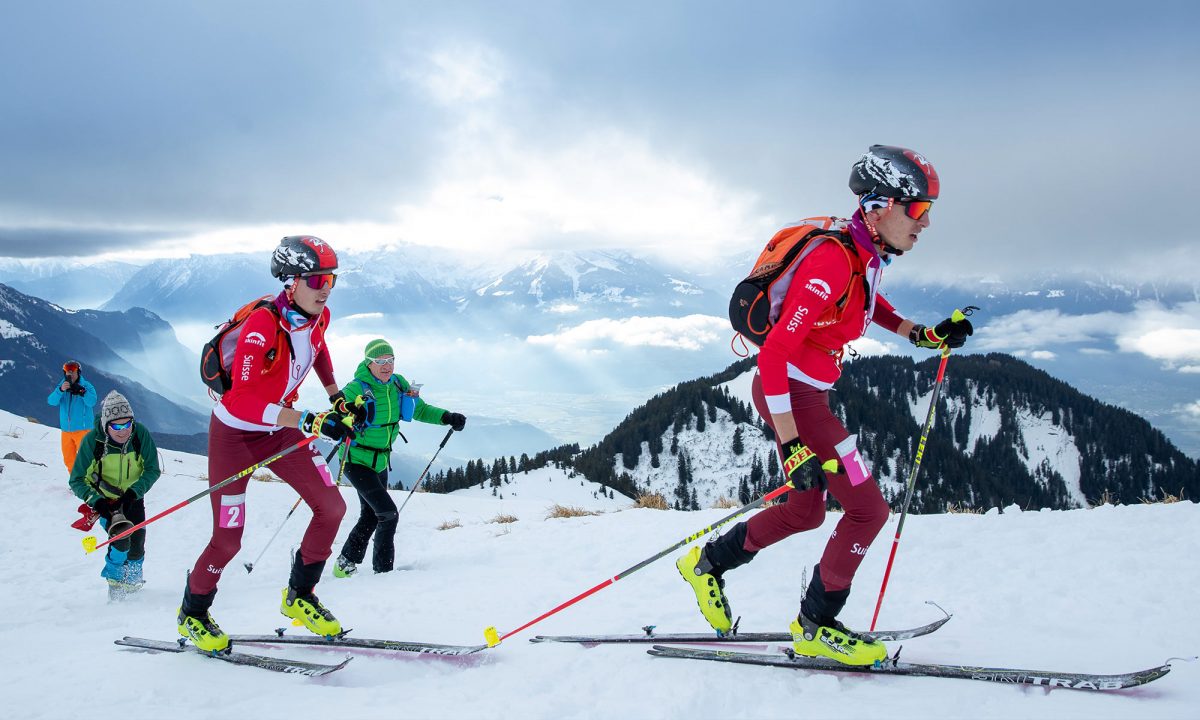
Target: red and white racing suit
(272, 358)
(798, 363)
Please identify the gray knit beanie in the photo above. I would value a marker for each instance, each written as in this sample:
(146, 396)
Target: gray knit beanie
(114, 407)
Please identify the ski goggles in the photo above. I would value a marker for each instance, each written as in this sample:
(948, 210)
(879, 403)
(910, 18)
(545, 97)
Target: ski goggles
(71, 366)
(915, 208)
(316, 282)
(119, 426)
(383, 360)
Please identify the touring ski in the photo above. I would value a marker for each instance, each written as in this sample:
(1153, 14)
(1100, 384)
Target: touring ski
(893, 666)
(734, 638)
(343, 641)
(283, 665)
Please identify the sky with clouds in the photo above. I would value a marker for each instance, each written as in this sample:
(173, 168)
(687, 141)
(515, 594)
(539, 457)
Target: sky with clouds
(1062, 131)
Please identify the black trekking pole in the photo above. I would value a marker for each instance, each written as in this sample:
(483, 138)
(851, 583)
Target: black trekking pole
(250, 565)
(417, 484)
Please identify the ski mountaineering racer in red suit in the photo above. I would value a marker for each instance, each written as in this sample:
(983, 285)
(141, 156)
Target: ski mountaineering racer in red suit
(797, 365)
(254, 420)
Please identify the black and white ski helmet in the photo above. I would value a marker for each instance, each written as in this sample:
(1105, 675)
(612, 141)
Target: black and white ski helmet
(302, 255)
(894, 172)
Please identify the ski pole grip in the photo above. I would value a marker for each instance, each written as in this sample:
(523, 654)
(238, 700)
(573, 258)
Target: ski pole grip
(957, 315)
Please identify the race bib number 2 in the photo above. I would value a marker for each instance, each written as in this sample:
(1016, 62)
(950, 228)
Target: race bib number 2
(232, 515)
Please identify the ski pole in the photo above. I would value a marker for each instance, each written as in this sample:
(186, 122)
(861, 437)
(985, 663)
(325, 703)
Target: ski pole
(912, 475)
(89, 542)
(250, 565)
(494, 638)
(426, 470)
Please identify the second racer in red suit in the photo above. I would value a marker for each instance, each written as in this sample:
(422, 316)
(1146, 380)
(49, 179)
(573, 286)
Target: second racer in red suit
(277, 347)
(797, 365)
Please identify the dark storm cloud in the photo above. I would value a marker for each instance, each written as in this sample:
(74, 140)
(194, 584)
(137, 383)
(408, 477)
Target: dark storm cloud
(41, 242)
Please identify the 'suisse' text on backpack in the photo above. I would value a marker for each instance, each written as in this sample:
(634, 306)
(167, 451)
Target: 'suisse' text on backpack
(757, 301)
(216, 357)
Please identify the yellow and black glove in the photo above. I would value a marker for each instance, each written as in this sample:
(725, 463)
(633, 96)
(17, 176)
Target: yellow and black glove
(951, 332)
(329, 424)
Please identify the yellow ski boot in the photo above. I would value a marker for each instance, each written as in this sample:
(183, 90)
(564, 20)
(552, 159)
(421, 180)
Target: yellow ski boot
(710, 590)
(833, 640)
(309, 611)
(204, 632)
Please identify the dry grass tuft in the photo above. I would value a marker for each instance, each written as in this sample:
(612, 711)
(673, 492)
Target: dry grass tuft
(1167, 498)
(725, 503)
(449, 525)
(566, 511)
(1106, 498)
(956, 509)
(503, 519)
(654, 501)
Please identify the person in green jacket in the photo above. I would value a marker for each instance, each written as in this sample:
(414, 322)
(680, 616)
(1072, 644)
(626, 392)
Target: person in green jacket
(367, 467)
(116, 465)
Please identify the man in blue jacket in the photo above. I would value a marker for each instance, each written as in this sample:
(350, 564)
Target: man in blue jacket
(76, 400)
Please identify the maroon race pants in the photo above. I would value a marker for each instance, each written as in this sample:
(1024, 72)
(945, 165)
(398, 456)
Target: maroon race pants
(865, 509)
(231, 451)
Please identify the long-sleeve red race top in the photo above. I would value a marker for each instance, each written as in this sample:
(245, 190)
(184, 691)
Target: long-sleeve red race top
(267, 369)
(806, 343)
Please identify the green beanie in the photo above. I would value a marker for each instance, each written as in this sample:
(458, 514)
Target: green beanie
(379, 347)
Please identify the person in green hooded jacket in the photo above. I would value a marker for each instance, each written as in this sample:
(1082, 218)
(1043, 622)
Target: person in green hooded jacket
(396, 401)
(116, 465)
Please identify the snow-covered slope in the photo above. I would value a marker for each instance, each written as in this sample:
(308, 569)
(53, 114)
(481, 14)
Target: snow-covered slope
(1105, 590)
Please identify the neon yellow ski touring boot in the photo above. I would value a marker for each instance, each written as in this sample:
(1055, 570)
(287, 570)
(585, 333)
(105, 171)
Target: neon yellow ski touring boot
(833, 640)
(309, 612)
(204, 632)
(695, 568)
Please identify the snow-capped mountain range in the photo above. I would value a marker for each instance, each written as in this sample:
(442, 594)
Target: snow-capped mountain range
(409, 280)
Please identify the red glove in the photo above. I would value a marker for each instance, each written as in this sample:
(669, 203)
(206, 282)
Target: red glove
(90, 516)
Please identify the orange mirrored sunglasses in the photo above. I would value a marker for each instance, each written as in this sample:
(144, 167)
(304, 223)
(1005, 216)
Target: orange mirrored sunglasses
(916, 208)
(71, 366)
(316, 282)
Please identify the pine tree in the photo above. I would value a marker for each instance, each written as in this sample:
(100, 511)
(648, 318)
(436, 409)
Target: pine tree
(738, 447)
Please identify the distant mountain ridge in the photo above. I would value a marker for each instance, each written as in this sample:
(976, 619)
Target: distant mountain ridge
(1005, 432)
(560, 285)
(37, 336)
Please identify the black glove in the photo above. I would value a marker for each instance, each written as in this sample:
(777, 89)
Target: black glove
(951, 332)
(330, 424)
(100, 504)
(455, 420)
(339, 395)
(77, 390)
(795, 459)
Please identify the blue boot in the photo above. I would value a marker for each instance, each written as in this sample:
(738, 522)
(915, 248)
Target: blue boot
(114, 565)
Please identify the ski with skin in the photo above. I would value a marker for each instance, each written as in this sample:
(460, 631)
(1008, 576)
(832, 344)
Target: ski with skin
(733, 638)
(894, 666)
(283, 665)
(343, 641)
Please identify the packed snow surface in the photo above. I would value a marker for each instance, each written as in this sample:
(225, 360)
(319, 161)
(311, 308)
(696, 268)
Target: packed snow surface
(1110, 589)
